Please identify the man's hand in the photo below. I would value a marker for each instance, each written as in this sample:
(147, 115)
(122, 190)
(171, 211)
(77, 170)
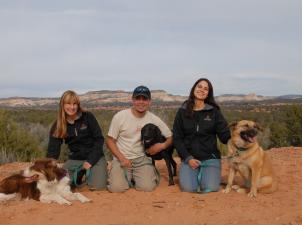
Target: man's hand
(126, 162)
(156, 148)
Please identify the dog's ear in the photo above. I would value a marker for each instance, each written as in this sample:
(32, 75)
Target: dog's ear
(142, 137)
(258, 127)
(158, 132)
(50, 174)
(142, 133)
(50, 169)
(233, 125)
(50, 162)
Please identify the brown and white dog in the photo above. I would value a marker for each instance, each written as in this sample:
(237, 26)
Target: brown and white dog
(26, 187)
(246, 156)
(43, 181)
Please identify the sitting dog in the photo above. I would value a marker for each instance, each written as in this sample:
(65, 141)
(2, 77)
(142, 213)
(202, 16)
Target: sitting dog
(43, 181)
(246, 156)
(150, 135)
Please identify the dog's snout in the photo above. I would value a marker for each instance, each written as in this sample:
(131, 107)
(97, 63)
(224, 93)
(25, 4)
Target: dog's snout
(147, 143)
(246, 135)
(252, 132)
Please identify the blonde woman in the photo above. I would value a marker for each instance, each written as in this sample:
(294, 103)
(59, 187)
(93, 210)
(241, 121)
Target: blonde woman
(81, 132)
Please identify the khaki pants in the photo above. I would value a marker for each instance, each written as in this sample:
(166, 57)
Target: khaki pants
(98, 177)
(142, 173)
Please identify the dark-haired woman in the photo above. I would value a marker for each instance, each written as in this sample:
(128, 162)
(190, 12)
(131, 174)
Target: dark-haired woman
(196, 127)
(81, 132)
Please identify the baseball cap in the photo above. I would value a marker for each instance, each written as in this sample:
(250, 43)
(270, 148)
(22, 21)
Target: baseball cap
(141, 91)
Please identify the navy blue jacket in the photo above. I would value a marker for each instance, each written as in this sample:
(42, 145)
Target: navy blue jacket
(84, 139)
(197, 137)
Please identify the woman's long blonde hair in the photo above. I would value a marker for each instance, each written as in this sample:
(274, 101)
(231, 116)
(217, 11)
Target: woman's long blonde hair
(61, 123)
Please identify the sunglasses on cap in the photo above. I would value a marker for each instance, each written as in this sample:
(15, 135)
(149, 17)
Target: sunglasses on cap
(141, 91)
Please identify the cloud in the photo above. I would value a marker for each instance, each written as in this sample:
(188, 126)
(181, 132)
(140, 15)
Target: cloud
(47, 47)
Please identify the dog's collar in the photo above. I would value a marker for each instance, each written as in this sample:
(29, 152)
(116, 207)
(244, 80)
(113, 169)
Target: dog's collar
(237, 153)
(241, 149)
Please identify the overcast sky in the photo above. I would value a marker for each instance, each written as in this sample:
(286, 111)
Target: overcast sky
(47, 47)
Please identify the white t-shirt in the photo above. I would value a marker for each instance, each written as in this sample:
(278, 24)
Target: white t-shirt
(125, 128)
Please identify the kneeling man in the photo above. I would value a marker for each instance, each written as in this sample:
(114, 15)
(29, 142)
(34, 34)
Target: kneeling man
(130, 166)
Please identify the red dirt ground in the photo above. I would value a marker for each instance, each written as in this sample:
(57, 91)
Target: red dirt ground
(167, 205)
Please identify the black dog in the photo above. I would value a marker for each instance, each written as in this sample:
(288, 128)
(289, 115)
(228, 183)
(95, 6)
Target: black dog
(150, 135)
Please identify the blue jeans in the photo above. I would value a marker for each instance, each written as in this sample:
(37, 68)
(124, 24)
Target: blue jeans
(207, 180)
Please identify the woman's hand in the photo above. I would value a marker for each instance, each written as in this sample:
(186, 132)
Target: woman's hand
(86, 165)
(194, 163)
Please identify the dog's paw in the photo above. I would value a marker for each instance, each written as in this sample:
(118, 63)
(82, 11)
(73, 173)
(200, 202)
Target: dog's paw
(43, 200)
(226, 190)
(241, 190)
(82, 198)
(171, 182)
(5, 197)
(64, 202)
(235, 187)
(252, 194)
(67, 203)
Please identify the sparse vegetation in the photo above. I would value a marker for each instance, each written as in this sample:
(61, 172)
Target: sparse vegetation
(24, 132)
(16, 144)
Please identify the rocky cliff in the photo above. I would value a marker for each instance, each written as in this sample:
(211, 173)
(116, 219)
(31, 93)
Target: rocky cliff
(122, 98)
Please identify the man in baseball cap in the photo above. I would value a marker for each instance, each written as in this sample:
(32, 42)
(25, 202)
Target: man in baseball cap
(130, 165)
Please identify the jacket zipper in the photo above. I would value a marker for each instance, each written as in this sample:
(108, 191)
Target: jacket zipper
(75, 131)
(197, 122)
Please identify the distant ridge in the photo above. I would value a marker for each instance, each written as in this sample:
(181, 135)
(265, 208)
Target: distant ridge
(241, 97)
(290, 96)
(92, 99)
(108, 98)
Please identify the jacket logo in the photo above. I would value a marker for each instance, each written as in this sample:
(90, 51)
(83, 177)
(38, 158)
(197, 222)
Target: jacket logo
(207, 118)
(83, 126)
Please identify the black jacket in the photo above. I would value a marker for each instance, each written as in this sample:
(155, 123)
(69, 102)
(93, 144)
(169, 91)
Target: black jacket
(196, 137)
(84, 139)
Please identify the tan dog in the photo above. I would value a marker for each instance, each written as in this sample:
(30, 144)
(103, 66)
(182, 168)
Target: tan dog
(248, 158)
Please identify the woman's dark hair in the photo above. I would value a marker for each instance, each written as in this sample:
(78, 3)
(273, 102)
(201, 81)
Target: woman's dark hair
(209, 100)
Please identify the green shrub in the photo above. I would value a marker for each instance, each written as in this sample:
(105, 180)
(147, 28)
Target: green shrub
(16, 144)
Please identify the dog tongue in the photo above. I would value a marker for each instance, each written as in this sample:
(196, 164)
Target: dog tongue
(32, 178)
(251, 139)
